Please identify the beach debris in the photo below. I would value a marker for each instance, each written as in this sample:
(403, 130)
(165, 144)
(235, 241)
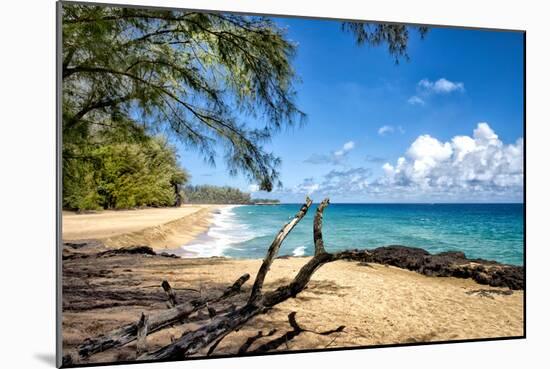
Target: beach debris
(172, 300)
(317, 227)
(128, 333)
(489, 293)
(259, 302)
(141, 336)
(273, 250)
(211, 311)
(222, 323)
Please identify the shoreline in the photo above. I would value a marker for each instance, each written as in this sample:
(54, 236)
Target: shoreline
(160, 228)
(216, 238)
(169, 229)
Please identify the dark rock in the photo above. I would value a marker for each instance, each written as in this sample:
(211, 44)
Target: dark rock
(167, 255)
(450, 264)
(82, 244)
(132, 250)
(81, 249)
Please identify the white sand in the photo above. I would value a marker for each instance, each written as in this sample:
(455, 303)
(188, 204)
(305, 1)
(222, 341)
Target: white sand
(161, 228)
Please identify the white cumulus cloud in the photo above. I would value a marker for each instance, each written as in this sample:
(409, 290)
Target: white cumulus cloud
(478, 167)
(441, 86)
(426, 88)
(480, 164)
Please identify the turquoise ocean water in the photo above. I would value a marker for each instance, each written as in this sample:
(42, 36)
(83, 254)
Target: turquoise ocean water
(489, 231)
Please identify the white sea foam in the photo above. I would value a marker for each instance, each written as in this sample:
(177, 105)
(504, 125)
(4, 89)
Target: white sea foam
(224, 231)
(299, 251)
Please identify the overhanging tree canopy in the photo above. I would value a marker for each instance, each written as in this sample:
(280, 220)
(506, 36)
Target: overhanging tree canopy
(201, 77)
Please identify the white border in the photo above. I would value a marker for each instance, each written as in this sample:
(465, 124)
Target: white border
(28, 179)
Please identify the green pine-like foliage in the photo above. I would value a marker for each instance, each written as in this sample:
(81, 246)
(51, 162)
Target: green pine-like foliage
(214, 82)
(122, 176)
(207, 194)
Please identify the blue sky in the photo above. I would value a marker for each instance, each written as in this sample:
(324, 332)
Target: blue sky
(445, 126)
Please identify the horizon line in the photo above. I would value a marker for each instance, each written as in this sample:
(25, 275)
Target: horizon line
(408, 203)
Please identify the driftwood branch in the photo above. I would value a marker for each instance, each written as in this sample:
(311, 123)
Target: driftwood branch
(306, 272)
(318, 227)
(191, 343)
(141, 340)
(211, 311)
(202, 317)
(172, 300)
(123, 335)
(274, 249)
(224, 322)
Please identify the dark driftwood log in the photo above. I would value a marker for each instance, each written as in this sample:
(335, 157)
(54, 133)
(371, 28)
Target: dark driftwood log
(141, 337)
(128, 333)
(172, 300)
(303, 277)
(274, 249)
(192, 342)
(201, 316)
(211, 311)
(317, 227)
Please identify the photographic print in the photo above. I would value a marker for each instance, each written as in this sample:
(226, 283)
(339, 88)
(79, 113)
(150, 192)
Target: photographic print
(243, 184)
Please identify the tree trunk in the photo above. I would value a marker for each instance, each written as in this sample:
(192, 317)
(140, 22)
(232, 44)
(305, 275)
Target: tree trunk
(192, 342)
(274, 250)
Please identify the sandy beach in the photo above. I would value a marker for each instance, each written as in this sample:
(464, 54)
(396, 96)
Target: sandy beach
(377, 304)
(162, 228)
